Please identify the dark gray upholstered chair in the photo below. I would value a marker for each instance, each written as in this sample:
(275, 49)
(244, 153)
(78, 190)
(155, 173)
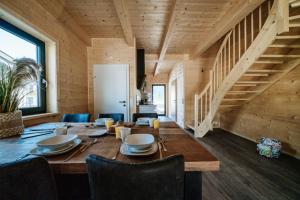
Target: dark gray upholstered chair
(79, 117)
(28, 179)
(135, 116)
(115, 116)
(155, 180)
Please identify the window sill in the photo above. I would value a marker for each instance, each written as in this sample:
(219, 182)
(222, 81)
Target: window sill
(39, 116)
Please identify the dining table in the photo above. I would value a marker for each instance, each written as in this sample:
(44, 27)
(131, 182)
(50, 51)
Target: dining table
(197, 159)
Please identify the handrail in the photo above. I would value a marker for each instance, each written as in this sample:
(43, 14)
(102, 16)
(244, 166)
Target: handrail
(235, 44)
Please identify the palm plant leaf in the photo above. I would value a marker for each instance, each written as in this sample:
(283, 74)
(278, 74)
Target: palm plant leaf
(13, 77)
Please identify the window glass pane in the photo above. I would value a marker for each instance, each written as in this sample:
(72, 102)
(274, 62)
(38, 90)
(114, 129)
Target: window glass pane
(159, 98)
(17, 47)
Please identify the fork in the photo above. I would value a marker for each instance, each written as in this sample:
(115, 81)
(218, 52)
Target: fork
(160, 153)
(162, 141)
(115, 157)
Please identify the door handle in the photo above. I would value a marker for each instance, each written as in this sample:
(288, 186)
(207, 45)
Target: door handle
(122, 101)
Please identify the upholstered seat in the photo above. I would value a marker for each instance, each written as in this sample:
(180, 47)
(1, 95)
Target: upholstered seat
(135, 116)
(79, 117)
(28, 179)
(115, 116)
(156, 180)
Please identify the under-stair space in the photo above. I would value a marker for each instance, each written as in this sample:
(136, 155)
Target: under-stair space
(255, 54)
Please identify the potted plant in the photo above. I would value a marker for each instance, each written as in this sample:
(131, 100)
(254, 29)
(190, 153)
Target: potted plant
(14, 76)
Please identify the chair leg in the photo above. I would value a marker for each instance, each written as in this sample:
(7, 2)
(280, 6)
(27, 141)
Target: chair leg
(193, 186)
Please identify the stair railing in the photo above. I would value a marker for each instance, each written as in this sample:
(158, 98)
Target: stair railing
(234, 46)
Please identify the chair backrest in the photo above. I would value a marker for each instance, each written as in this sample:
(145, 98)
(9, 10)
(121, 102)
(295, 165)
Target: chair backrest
(115, 116)
(135, 116)
(114, 180)
(78, 117)
(28, 179)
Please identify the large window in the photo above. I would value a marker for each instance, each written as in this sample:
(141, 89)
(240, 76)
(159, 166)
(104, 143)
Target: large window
(16, 43)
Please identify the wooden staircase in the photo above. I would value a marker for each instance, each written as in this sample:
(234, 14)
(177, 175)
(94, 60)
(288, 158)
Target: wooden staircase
(255, 54)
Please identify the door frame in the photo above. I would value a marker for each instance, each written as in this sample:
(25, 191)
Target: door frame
(127, 86)
(165, 97)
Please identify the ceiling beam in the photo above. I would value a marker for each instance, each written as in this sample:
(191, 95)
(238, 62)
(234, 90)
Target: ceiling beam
(122, 11)
(238, 11)
(177, 5)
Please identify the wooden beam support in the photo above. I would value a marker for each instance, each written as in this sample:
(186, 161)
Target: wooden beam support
(282, 16)
(122, 11)
(177, 5)
(238, 11)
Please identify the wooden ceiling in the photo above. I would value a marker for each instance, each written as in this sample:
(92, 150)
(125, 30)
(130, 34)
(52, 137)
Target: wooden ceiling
(149, 20)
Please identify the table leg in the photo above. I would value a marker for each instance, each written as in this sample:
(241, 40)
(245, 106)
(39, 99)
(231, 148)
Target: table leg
(193, 186)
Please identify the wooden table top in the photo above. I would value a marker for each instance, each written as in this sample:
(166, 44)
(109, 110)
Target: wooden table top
(197, 158)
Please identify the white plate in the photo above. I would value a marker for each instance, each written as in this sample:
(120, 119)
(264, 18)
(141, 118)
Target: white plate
(41, 151)
(125, 151)
(99, 132)
(57, 141)
(134, 150)
(139, 141)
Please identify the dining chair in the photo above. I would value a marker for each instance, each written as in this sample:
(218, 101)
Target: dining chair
(115, 116)
(135, 116)
(28, 179)
(114, 180)
(78, 117)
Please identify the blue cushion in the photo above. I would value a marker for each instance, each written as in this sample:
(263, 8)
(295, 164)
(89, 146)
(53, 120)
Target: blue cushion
(80, 117)
(115, 116)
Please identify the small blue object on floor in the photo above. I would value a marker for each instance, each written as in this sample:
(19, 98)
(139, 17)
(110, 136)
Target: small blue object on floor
(269, 147)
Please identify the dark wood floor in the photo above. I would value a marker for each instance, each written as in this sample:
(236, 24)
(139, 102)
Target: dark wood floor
(245, 175)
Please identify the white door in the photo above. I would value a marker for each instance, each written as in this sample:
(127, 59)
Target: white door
(111, 89)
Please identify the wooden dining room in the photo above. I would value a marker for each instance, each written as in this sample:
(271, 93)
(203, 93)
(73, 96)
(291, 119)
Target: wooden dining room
(149, 99)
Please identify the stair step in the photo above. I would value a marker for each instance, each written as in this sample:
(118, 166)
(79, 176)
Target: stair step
(229, 105)
(294, 3)
(265, 71)
(245, 85)
(295, 17)
(294, 25)
(244, 92)
(254, 82)
(279, 56)
(235, 99)
(268, 62)
(294, 46)
(256, 74)
(288, 37)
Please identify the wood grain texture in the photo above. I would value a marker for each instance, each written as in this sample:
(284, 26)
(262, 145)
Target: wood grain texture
(275, 113)
(177, 140)
(246, 175)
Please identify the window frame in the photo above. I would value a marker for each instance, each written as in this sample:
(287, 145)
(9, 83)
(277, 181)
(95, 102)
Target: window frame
(40, 59)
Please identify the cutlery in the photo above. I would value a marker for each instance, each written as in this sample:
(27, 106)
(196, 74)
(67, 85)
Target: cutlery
(115, 157)
(162, 141)
(159, 147)
(81, 149)
(35, 135)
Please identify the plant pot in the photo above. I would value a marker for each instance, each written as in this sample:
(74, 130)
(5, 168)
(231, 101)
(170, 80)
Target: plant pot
(11, 124)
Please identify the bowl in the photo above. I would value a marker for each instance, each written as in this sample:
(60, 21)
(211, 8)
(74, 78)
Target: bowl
(139, 141)
(57, 141)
